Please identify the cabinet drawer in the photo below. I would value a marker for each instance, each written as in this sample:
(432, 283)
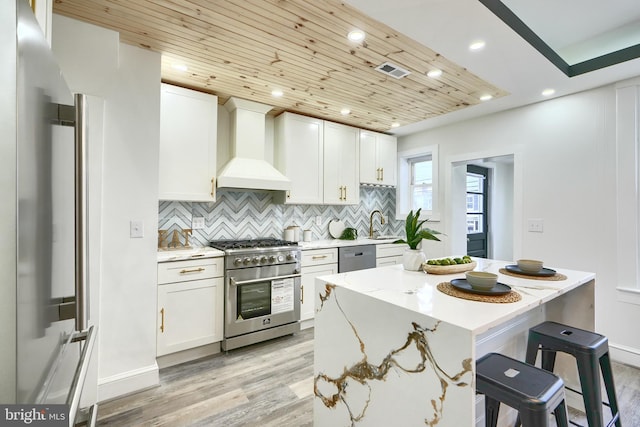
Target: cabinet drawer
(319, 256)
(390, 249)
(180, 271)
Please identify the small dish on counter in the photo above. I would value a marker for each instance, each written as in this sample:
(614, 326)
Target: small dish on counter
(544, 272)
(448, 269)
(529, 265)
(481, 280)
(336, 227)
(498, 289)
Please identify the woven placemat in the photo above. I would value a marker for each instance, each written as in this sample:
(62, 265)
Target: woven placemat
(555, 278)
(448, 289)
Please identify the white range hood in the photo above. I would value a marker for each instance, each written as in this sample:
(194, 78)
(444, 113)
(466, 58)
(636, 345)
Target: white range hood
(248, 168)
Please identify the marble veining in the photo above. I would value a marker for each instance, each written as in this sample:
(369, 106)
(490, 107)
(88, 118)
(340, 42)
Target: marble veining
(364, 372)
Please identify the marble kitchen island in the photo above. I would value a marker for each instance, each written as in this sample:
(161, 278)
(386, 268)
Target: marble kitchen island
(392, 349)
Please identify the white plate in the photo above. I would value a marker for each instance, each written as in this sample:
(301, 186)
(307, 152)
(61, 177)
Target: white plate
(336, 227)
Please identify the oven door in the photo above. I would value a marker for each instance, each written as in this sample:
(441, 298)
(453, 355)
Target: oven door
(254, 304)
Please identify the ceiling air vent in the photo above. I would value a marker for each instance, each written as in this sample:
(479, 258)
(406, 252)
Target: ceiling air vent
(393, 70)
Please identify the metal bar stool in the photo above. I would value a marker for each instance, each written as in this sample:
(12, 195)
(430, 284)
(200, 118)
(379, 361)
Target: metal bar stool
(590, 351)
(533, 392)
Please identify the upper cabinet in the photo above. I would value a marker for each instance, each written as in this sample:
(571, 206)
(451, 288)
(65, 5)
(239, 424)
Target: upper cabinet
(341, 168)
(378, 158)
(188, 134)
(299, 146)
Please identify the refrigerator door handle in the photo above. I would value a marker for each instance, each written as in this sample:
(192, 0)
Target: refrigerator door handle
(75, 392)
(82, 296)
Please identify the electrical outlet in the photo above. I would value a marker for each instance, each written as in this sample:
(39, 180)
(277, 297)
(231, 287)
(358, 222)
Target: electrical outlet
(136, 229)
(197, 223)
(535, 225)
(318, 220)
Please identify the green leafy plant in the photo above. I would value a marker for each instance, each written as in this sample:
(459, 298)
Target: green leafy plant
(414, 231)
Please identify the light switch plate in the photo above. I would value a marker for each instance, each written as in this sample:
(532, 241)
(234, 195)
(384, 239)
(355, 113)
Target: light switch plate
(318, 220)
(136, 229)
(535, 225)
(197, 223)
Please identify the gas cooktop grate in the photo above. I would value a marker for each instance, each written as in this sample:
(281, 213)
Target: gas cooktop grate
(250, 243)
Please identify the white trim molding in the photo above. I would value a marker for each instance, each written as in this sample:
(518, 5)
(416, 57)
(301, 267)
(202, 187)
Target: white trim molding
(128, 382)
(628, 295)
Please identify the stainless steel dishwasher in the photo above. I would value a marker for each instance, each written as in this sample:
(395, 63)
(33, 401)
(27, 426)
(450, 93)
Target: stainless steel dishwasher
(351, 258)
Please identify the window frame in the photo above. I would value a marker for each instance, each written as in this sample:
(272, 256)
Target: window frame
(403, 189)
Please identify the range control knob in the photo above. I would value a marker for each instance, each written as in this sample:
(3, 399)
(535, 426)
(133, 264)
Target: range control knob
(272, 258)
(237, 261)
(263, 260)
(280, 258)
(246, 261)
(255, 260)
(291, 256)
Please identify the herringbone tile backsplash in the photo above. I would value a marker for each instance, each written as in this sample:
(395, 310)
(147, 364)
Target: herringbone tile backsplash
(253, 214)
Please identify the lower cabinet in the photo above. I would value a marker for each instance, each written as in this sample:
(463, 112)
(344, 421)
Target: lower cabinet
(315, 263)
(190, 306)
(389, 254)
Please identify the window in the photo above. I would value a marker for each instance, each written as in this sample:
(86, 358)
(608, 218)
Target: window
(418, 183)
(421, 187)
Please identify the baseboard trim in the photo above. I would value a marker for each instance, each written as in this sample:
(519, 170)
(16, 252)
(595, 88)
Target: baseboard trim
(625, 355)
(128, 382)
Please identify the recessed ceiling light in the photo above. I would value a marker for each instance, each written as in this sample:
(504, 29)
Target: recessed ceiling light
(435, 73)
(548, 92)
(179, 67)
(486, 97)
(345, 111)
(477, 45)
(395, 124)
(356, 35)
(277, 93)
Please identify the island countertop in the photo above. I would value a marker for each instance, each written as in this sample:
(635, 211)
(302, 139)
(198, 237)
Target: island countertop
(390, 348)
(417, 291)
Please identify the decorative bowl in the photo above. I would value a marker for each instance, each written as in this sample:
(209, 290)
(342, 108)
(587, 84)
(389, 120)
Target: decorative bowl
(481, 280)
(530, 265)
(448, 269)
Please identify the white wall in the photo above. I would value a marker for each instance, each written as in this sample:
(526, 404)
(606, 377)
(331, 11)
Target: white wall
(128, 79)
(564, 173)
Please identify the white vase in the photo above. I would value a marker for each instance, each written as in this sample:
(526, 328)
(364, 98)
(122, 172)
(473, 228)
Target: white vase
(412, 259)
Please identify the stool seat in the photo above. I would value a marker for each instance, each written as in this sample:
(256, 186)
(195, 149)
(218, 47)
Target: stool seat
(533, 392)
(591, 351)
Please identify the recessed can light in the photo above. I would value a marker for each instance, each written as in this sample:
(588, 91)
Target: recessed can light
(486, 97)
(477, 45)
(356, 35)
(435, 73)
(277, 93)
(345, 111)
(548, 92)
(395, 124)
(179, 67)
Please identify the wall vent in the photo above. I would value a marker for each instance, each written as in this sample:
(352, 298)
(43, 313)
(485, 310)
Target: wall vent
(392, 70)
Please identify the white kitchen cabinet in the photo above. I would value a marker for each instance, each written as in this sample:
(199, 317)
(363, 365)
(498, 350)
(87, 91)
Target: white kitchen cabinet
(341, 166)
(188, 135)
(315, 263)
(389, 254)
(378, 158)
(298, 151)
(190, 304)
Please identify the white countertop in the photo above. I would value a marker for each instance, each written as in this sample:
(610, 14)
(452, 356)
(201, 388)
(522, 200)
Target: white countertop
(416, 291)
(186, 254)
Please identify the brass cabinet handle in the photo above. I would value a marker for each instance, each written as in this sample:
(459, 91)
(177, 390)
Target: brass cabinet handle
(213, 187)
(378, 174)
(319, 257)
(194, 270)
(381, 174)
(301, 294)
(162, 320)
(345, 193)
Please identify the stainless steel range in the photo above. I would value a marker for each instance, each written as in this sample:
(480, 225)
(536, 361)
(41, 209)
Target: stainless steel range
(262, 290)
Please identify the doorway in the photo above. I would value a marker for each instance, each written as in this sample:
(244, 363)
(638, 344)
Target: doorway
(477, 211)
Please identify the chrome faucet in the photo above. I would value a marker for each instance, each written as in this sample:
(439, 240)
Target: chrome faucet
(371, 222)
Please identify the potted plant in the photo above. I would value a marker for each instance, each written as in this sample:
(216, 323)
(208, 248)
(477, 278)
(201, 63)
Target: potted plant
(413, 257)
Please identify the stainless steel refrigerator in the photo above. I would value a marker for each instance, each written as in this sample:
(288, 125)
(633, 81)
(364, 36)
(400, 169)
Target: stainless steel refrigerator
(43, 287)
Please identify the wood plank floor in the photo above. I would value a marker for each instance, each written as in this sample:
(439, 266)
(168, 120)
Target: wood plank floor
(266, 384)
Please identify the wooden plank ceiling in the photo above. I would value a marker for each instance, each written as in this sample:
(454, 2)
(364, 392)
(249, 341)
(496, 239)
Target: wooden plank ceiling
(247, 48)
